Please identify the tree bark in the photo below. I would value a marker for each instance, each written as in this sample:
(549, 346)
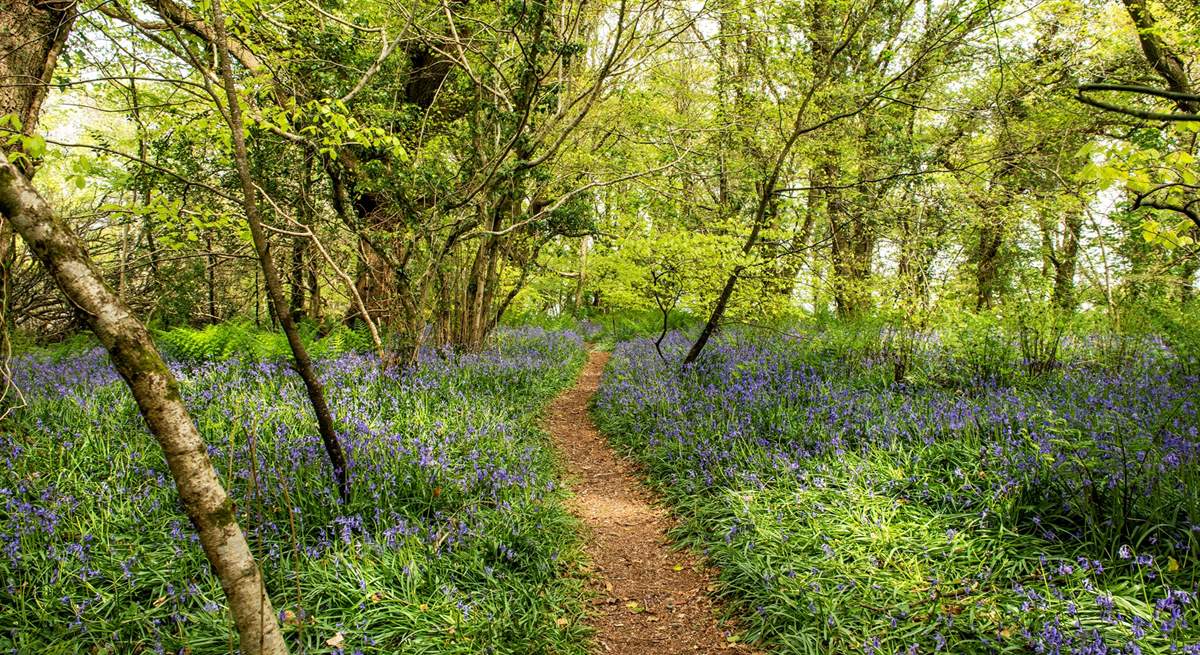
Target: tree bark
(210, 270)
(300, 245)
(851, 244)
(484, 275)
(31, 36)
(157, 394)
(145, 183)
(987, 265)
(278, 302)
(1164, 62)
(1065, 261)
(296, 281)
(585, 244)
(1187, 272)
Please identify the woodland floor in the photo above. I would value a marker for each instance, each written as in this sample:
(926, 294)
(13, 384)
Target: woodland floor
(649, 596)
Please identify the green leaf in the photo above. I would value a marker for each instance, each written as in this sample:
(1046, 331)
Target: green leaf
(34, 145)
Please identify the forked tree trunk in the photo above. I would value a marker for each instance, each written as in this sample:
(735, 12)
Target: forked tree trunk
(484, 275)
(157, 394)
(278, 302)
(31, 36)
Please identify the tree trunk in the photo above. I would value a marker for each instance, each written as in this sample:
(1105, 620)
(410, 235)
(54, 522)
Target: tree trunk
(483, 322)
(296, 282)
(1188, 270)
(300, 245)
(374, 284)
(913, 265)
(1166, 63)
(316, 394)
(211, 279)
(987, 265)
(791, 264)
(314, 290)
(1065, 261)
(840, 258)
(472, 296)
(145, 184)
(1187, 280)
(850, 246)
(767, 191)
(585, 245)
(484, 275)
(31, 37)
(32, 34)
(443, 315)
(7, 259)
(157, 394)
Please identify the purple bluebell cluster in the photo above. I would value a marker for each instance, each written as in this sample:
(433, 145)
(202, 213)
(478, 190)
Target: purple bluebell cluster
(1055, 513)
(590, 330)
(454, 505)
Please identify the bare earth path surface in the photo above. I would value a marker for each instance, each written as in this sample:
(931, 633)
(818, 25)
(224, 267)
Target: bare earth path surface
(650, 599)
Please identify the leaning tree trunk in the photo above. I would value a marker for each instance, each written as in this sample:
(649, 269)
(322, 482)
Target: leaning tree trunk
(32, 35)
(157, 394)
(278, 302)
(767, 192)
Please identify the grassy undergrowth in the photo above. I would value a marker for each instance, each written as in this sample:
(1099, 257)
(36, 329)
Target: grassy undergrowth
(973, 507)
(455, 540)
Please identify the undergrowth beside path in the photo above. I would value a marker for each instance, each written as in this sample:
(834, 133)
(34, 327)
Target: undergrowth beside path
(455, 540)
(954, 512)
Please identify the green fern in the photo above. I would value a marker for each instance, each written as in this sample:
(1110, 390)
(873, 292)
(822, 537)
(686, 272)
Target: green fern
(333, 344)
(248, 343)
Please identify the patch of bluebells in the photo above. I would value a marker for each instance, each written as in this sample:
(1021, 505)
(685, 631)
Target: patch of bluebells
(453, 490)
(590, 330)
(1051, 514)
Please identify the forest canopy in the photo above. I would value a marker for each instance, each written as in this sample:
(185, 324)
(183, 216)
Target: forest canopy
(452, 164)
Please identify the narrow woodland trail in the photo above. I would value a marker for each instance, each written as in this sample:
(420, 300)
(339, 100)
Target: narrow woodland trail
(649, 597)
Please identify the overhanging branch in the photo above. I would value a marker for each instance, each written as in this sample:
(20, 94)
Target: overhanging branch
(1182, 98)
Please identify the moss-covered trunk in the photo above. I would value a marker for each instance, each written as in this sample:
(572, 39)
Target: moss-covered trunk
(32, 35)
(156, 392)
